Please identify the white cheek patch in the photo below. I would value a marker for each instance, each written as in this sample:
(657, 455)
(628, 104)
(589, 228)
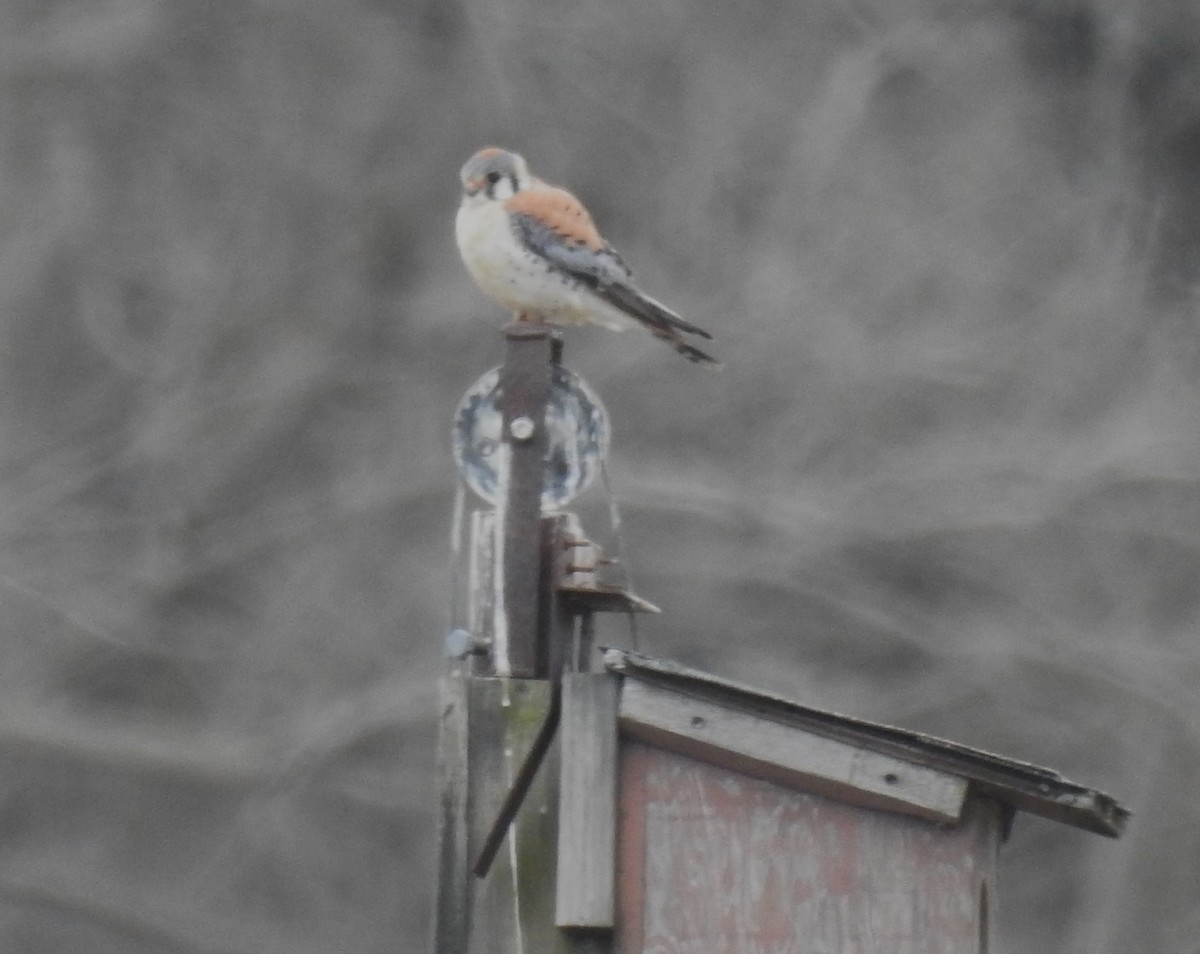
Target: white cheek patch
(503, 189)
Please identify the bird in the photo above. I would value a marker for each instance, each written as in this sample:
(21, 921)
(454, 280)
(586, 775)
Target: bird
(535, 249)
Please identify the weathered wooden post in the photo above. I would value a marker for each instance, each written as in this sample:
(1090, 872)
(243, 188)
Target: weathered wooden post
(642, 807)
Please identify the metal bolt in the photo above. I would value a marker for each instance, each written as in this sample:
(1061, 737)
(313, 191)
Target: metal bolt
(521, 429)
(458, 643)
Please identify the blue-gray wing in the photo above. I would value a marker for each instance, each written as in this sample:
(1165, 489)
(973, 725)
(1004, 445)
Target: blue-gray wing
(602, 271)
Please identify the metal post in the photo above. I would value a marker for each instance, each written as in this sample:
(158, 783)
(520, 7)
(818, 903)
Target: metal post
(531, 351)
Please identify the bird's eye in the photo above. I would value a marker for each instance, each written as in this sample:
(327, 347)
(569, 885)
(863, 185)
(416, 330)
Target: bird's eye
(493, 177)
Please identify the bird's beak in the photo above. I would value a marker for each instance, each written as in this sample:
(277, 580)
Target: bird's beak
(474, 185)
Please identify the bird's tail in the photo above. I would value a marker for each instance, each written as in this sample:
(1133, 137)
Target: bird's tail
(662, 313)
(660, 321)
(689, 351)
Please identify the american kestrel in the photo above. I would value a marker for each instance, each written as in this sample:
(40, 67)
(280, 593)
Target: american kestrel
(535, 249)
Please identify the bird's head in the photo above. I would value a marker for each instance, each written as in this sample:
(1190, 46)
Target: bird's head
(494, 174)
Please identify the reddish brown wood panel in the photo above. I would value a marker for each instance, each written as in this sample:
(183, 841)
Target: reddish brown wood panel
(713, 862)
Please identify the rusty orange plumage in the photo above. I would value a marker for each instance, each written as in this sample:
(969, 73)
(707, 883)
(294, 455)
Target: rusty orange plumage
(535, 248)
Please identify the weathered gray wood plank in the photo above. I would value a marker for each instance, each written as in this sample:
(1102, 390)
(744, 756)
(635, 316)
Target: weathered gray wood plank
(788, 755)
(512, 909)
(1018, 784)
(482, 595)
(712, 860)
(452, 911)
(587, 801)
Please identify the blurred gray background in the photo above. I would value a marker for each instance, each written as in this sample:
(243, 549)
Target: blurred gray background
(950, 477)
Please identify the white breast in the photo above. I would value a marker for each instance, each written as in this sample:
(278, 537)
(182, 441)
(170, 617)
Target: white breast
(518, 279)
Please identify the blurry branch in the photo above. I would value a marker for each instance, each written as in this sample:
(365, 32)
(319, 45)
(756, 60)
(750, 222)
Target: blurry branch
(135, 927)
(318, 737)
(79, 625)
(34, 730)
(321, 734)
(167, 928)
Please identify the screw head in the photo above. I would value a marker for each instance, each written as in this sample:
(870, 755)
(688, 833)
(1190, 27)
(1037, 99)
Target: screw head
(521, 429)
(458, 643)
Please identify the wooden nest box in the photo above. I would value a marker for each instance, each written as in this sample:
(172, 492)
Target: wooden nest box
(649, 808)
(747, 822)
(679, 812)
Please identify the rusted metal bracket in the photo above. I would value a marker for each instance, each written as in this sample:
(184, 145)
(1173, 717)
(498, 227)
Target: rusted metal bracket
(581, 587)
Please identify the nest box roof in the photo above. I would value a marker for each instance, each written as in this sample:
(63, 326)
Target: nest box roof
(946, 770)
